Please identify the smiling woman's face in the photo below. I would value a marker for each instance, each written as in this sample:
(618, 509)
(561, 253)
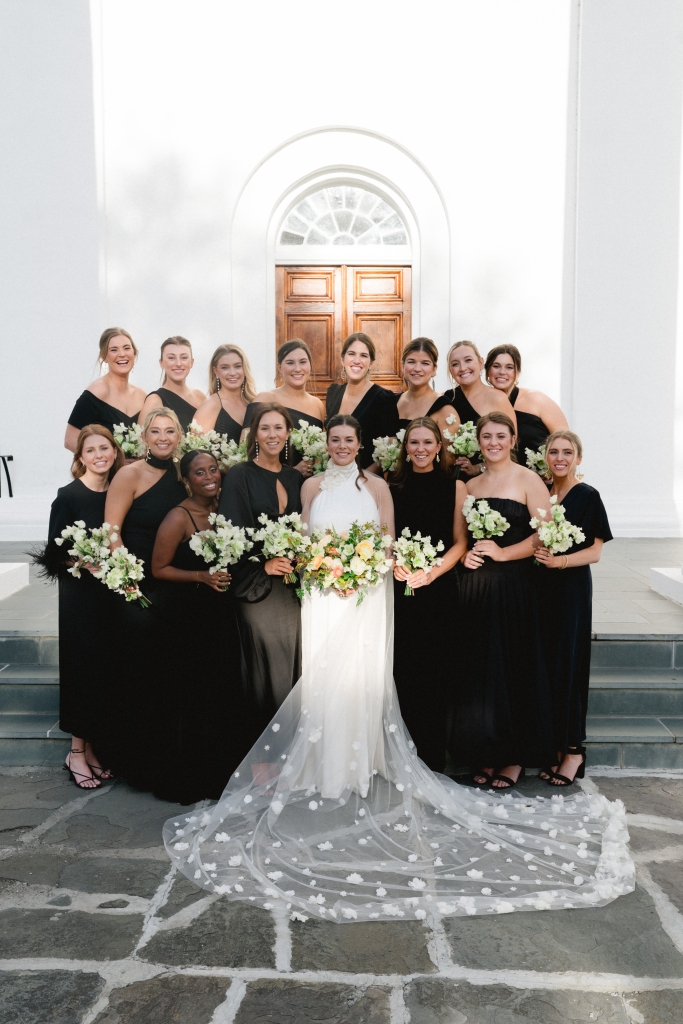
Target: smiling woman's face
(465, 365)
(343, 444)
(204, 476)
(162, 437)
(295, 368)
(495, 442)
(120, 355)
(98, 455)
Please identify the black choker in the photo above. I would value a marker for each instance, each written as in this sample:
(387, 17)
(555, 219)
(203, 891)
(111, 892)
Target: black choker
(156, 463)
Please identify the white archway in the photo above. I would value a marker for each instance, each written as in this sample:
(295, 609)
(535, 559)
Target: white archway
(297, 168)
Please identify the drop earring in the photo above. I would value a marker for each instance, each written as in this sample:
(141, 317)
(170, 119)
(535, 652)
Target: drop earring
(287, 450)
(189, 491)
(437, 457)
(343, 374)
(242, 389)
(148, 455)
(407, 457)
(218, 384)
(256, 449)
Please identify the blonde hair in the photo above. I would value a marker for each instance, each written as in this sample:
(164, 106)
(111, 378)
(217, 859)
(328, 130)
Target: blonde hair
(91, 430)
(460, 344)
(249, 391)
(167, 414)
(105, 338)
(575, 442)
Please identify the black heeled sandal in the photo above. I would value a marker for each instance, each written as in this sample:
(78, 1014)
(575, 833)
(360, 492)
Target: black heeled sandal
(511, 783)
(105, 776)
(487, 775)
(73, 774)
(579, 774)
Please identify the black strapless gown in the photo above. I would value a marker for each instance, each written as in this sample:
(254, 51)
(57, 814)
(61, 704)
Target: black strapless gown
(225, 424)
(531, 430)
(466, 412)
(183, 410)
(376, 412)
(566, 606)
(202, 710)
(139, 689)
(86, 607)
(293, 456)
(268, 610)
(439, 403)
(91, 409)
(503, 711)
(423, 668)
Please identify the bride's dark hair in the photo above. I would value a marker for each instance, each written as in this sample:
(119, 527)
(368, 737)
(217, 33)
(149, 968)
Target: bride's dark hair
(348, 421)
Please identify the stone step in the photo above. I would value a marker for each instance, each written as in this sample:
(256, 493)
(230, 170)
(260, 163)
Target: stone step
(31, 739)
(29, 689)
(636, 692)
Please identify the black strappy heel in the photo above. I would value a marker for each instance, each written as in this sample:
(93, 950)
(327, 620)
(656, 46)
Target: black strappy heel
(511, 783)
(72, 774)
(580, 771)
(96, 768)
(488, 776)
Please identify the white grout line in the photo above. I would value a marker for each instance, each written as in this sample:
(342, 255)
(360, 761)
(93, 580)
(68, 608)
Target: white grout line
(398, 1011)
(655, 824)
(283, 938)
(151, 922)
(670, 918)
(438, 946)
(185, 916)
(665, 855)
(116, 975)
(633, 1015)
(227, 1011)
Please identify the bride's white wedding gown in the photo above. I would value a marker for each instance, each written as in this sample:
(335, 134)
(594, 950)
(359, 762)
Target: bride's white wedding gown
(333, 813)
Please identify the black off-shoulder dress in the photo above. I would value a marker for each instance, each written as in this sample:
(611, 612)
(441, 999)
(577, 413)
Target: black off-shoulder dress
(268, 610)
(424, 660)
(376, 412)
(183, 410)
(503, 711)
(566, 599)
(91, 409)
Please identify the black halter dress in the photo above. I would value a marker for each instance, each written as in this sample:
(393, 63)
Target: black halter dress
(225, 424)
(503, 710)
(531, 430)
(183, 410)
(91, 409)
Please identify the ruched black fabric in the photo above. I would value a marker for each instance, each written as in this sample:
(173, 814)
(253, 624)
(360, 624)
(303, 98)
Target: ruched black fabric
(566, 604)
(531, 430)
(503, 712)
(424, 671)
(183, 410)
(376, 412)
(91, 409)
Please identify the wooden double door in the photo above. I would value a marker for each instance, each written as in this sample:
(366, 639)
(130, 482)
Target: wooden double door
(323, 305)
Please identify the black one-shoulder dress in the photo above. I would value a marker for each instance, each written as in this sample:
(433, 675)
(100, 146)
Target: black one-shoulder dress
(289, 456)
(91, 409)
(438, 403)
(376, 412)
(566, 599)
(503, 711)
(531, 430)
(183, 410)
(423, 657)
(201, 713)
(268, 610)
(85, 614)
(138, 689)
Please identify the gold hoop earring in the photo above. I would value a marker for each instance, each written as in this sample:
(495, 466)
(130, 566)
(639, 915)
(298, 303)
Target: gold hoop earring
(190, 493)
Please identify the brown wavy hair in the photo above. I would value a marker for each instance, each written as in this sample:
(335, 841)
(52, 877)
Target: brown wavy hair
(77, 467)
(257, 415)
(400, 474)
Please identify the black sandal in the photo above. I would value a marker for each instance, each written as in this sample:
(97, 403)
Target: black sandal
(580, 771)
(72, 774)
(487, 776)
(94, 769)
(546, 774)
(511, 783)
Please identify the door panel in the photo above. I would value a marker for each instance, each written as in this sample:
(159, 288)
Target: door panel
(323, 305)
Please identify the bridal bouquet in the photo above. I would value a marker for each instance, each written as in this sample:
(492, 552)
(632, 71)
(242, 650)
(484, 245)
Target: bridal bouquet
(90, 547)
(463, 442)
(282, 538)
(312, 443)
(223, 545)
(416, 552)
(121, 572)
(536, 461)
(387, 450)
(556, 534)
(354, 560)
(483, 521)
(226, 451)
(129, 440)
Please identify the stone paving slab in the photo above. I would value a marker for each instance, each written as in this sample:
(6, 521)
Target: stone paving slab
(39, 997)
(392, 947)
(165, 1000)
(66, 934)
(288, 1001)
(226, 935)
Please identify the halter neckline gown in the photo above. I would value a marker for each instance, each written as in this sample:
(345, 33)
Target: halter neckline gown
(225, 424)
(183, 410)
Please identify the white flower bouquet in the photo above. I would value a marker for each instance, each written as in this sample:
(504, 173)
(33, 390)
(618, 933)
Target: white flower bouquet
(536, 461)
(282, 538)
(90, 547)
(226, 451)
(416, 552)
(121, 572)
(483, 522)
(223, 545)
(231, 452)
(129, 440)
(351, 561)
(387, 450)
(312, 443)
(556, 534)
(463, 442)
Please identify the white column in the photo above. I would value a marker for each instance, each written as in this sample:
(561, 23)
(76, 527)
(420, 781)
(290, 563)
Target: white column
(49, 293)
(621, 257)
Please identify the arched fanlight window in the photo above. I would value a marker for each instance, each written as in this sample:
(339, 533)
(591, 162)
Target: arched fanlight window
(344, 215)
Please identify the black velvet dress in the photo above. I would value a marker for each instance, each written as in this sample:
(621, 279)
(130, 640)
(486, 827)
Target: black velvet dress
(531, 430)
(139, 689)
(423, 657)
(466, 412)
(225, 424)
(293, 456)
(85, 613)
(437, 404)
(503, 710)
(268, 610)
(91, 409)
(201, 711)
(183, 410)
(376, 412)
(566, 598)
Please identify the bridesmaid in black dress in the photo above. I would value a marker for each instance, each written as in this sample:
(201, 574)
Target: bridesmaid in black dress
(268, 611)
(201, 728)
(566, 605)
(374, 407)
(503, 717)
(110, 399)
(231, 389)
(471, 398)
(176, 362)
(85, 605)
(294, 367)
(426, 499)
(141, 496)
(420, 359)
(537, 414)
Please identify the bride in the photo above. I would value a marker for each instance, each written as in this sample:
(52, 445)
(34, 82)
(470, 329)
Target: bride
(333, 813)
